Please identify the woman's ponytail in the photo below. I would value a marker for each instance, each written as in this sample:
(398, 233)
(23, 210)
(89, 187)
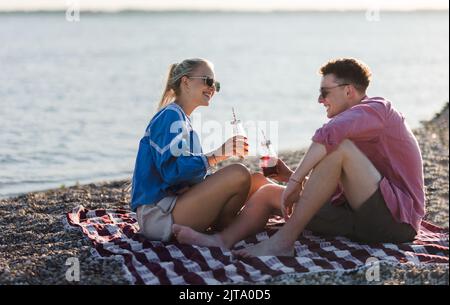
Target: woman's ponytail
(168, 93)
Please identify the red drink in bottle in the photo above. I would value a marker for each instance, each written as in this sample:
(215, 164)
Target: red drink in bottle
(269, 166)
(269, 160)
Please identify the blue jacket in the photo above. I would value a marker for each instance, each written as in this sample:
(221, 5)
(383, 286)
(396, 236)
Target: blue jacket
(169, 158)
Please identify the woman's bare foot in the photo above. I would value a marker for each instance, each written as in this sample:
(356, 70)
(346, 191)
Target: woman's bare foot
(264, 248)
(186, 235)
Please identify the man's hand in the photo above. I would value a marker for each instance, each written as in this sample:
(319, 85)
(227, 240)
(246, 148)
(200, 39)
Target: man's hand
(284, 172)
(290, 196)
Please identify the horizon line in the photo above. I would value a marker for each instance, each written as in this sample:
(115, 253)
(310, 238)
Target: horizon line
(199, 10)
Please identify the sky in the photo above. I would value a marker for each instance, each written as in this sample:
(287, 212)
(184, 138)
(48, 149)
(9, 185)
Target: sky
(263, 5)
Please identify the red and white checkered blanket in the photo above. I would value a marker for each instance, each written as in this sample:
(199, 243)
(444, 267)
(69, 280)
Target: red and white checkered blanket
(114, 234)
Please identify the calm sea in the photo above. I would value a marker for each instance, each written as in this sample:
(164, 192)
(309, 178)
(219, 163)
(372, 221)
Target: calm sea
(75, 97)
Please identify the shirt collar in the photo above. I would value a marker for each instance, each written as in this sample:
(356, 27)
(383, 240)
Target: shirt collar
(181, 109)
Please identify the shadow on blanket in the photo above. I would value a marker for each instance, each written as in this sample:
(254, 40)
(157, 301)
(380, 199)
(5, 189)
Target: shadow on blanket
(114, 235)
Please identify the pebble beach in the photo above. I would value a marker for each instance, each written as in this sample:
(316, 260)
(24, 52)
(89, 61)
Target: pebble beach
(34, 244)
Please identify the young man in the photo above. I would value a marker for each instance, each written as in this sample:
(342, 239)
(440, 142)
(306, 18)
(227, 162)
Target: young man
(366, 178)
(365, 160)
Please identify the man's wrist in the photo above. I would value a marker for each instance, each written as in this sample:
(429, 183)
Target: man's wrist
(289, 176)
(295, 180)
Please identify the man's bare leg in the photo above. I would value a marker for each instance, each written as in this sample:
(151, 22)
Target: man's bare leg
(360, 179)
(264, 203)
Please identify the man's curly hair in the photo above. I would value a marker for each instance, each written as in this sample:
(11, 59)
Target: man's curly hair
(348, 70)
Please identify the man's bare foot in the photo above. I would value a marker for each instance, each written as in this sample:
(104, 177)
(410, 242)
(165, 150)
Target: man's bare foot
(264, 248)
(186, 235)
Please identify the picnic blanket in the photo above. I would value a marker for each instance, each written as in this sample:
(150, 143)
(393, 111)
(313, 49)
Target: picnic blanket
(114, 234)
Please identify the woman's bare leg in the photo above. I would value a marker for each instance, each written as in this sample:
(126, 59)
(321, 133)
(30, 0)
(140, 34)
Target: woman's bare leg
(253, 218)
(224, 193)
(258, 180)
(228, 215)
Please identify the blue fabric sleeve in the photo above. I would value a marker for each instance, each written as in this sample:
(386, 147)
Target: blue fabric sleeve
(170, 142)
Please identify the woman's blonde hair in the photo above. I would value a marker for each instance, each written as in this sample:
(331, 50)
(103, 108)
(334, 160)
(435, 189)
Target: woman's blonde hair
(176, 72)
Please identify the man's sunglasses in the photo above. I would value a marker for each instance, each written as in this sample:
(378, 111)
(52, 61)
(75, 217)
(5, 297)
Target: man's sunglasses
(324, 92)
(208, 81)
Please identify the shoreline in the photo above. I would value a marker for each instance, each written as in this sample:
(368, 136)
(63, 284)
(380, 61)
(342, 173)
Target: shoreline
(292, 156)
(34, 245)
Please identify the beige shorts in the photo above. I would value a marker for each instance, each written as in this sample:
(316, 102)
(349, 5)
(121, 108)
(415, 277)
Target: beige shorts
(155, 220)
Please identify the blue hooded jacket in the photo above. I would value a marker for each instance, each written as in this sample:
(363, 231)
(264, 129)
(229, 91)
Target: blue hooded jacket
(169, 158)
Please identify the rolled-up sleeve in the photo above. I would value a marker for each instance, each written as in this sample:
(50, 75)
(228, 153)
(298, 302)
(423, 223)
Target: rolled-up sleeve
(171, 148)
(361, 123)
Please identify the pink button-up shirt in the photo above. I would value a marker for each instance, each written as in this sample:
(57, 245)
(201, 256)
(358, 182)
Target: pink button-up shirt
(382, 134)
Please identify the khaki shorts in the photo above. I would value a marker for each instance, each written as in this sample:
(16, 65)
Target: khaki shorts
(371, 223)
(155, 220)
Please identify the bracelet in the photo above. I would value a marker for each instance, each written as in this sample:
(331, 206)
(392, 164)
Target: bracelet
(296, 181)
(215, 160)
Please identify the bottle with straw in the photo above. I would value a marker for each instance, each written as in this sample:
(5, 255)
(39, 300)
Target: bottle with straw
(238, 129)
(268, 160)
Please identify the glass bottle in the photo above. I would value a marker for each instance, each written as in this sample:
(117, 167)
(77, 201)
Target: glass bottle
(238, 128)
(269, 159)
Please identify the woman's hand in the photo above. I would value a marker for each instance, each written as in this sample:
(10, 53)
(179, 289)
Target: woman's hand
(284, 172)
(234, 146)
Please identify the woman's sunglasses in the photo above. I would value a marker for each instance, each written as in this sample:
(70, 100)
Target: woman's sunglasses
(208, 81)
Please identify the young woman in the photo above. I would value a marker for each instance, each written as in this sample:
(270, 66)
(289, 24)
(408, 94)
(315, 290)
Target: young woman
(169, 183)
